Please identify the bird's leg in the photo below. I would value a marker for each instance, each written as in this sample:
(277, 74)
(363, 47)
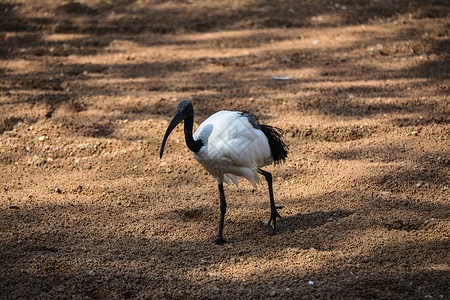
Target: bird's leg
(273, 209)
(223, 209)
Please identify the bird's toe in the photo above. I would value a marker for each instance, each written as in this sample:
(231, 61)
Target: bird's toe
(220, 241)
(273, 220)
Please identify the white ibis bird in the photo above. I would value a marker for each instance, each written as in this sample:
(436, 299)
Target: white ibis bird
(232, 144)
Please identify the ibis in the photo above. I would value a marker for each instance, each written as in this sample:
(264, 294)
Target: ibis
(230, 145)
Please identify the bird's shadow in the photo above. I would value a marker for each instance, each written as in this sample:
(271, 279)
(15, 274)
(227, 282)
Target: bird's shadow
(315, 219)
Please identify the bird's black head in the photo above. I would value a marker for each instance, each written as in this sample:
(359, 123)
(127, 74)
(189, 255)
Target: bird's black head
(185, 110)
(185, 107)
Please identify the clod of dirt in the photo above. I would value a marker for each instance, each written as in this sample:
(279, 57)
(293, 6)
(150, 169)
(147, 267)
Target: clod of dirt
(77, 8)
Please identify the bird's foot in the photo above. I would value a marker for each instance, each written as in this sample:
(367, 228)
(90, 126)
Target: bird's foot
(273, 219)
(220, 241)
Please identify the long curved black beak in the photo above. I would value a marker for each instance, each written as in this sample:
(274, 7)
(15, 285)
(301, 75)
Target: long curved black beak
(177, 119)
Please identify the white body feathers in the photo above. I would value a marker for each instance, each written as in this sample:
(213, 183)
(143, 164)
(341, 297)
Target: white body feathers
(232, 147)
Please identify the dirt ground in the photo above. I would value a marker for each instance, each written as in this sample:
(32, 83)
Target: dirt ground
(89, 211)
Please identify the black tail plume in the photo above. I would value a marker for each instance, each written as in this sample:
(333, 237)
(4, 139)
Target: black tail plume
(274, 135)
(276, 142)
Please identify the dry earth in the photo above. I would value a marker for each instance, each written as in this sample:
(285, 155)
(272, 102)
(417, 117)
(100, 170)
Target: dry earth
(89, 211)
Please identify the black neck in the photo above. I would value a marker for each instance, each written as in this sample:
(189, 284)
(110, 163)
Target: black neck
(192, 144)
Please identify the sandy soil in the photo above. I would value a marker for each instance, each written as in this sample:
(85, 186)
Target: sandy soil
(89, 211)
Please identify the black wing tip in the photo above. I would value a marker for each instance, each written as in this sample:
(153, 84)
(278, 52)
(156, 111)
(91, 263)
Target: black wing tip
(274, 135)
